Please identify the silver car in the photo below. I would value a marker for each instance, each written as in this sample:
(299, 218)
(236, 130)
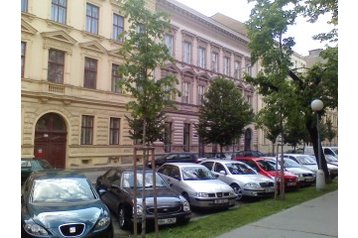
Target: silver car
(305, 176)
(245, 181)
(198, 185)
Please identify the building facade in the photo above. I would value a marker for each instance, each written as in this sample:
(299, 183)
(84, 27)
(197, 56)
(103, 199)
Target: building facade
(204, 49)
(71, 112)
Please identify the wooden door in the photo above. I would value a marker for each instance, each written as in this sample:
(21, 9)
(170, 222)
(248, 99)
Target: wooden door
(50, 140)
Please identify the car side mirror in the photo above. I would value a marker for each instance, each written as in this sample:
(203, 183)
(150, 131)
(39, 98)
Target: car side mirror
(222, 172)
(102, 191)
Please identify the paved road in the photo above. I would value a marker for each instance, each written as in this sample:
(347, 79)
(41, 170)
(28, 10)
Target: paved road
(317, 218)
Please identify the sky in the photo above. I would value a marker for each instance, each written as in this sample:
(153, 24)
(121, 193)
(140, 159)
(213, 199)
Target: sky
(240, 10)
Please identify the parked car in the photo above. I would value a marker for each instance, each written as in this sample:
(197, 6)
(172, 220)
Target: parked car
(198, 185)
(247, 153)
(184, 157)
(245, 181)
(63, 204)
(30, 165)
(116, 187)
(327, 150)
(267, 168)
(330, 159)
(305, 176)
(309, 161)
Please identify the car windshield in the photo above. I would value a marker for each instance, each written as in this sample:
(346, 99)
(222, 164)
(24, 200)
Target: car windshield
(237, 168)
(197, 173)
(335, 150)
(306, 160)
(291, 164)
(128, 179)
(331, 158)
(268, 165)
(58, 190)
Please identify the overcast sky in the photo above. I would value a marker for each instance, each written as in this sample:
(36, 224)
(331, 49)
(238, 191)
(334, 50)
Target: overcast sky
(240, 10)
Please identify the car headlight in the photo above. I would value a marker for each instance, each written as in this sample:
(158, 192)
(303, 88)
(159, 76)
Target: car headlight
(139, 209)
(103, 222)
(251, 185)
(35, 230)
(200, 194)
(186, 206)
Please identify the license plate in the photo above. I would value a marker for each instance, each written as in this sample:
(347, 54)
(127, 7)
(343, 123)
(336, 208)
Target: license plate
(291, 184)
(220, 201)
(268, 190)
(166, 221)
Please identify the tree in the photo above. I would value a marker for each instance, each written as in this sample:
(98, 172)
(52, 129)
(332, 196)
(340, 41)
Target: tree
(223, 114)
(331, 133)
(143, 51)
(267, 26)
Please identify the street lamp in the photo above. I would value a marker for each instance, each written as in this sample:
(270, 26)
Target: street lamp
(317, 106)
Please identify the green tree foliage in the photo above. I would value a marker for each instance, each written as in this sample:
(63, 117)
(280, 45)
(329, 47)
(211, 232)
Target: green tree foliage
(143, 51)
(224, 113)
(270, 45)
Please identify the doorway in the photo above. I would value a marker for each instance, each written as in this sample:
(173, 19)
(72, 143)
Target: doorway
(50, 139)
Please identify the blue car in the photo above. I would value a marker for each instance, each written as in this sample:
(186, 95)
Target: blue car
(63, 204)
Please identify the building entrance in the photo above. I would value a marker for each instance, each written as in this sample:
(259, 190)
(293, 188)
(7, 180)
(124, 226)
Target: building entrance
(50, 139)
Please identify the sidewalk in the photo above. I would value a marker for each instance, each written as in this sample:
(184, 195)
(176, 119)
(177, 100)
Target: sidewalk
(316, 218)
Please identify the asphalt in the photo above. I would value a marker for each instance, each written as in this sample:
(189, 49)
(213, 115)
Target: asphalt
(317, 218)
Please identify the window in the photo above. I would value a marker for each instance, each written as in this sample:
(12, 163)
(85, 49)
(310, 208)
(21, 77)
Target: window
(56, 66)
(186, 137)
(249, 70)
(201, 91)
(92, 18)
(185, 92)
(114, 131)
(215, 62)
(23, 52)
(115, 78)
(237, 72)
(202, 57)
(90, 73)
(118, 27)
(227, 66)
(169, 42)
(24, 5)
(58, 11)
(187, 52)
(87, 130)
(167, 137)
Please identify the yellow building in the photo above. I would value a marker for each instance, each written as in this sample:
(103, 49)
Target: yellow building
(71, 112)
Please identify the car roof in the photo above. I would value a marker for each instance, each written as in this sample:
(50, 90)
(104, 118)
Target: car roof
(47, 174)
(222, 161)
(184, 164)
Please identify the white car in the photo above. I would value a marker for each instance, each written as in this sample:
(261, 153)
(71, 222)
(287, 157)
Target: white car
(306, 177)
(309, 162)
(245, 181)
(198, 185)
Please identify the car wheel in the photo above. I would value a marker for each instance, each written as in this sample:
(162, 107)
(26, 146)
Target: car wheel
(124, 219)
(237, 190)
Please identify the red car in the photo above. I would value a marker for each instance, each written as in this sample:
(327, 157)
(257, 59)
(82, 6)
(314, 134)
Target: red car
(267, 168)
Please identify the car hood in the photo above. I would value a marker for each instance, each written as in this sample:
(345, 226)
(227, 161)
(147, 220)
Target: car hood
(251, 178)
(54, 214)
(209, 186)
(164, 195)
(278, 174)
(299, 170)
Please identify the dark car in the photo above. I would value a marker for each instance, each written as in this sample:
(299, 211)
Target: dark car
(247, 153)
(185, 157)
(63, 204)
(116, 187)
(30, 165)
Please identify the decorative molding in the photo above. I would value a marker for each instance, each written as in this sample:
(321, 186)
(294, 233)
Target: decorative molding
(93, 46)
(27, 28)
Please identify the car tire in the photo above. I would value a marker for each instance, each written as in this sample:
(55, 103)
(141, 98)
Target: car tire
(124, 218)
(237, 190)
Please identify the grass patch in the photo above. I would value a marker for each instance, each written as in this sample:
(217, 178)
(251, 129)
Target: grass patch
(218, 223)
